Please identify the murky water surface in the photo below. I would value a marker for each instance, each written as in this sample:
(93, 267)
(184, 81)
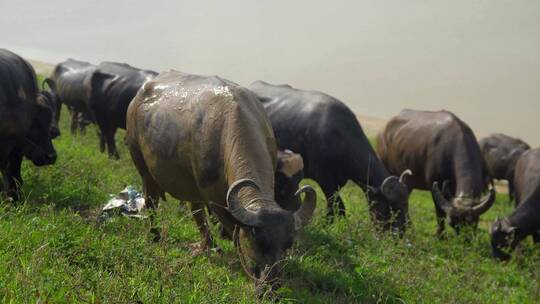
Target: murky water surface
(480, 59)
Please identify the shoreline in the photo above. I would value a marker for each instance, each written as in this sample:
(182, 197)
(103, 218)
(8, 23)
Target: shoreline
(371, 124)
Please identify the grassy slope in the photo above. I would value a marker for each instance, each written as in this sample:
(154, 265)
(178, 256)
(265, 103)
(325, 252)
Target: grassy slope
(52, 248)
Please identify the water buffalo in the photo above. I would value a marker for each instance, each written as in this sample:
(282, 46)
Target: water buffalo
(501, 153)
(67, 85)
(111, 88)
(27, 122)
(439, 148)
(506, 233)
(207, 140)
(334, 149)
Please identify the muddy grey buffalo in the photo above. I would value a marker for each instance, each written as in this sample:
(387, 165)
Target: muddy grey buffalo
(506, 233)
(67, 85)
(208, 141)
(501, 153)
(27, 122)
(439, 148)
(334, 149)
(110, 89)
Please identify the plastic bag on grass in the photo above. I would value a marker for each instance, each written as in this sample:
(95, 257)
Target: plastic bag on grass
(129, 202)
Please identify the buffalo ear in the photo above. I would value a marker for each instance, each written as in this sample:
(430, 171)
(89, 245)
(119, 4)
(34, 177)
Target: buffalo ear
(289, 163)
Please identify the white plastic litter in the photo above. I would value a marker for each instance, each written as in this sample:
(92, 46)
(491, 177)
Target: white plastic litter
(129, 202)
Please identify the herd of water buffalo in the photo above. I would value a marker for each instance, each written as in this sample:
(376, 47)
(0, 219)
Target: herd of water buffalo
(229, 149)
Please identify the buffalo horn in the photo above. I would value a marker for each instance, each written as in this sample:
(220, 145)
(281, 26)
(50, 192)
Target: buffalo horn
(241, 214)
(440, 200)
(50, 83)
(403, 174)
(303, 215)
(485, 203)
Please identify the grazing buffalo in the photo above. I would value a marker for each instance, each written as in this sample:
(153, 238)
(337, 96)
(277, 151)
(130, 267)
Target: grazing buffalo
(67, 85)
(439, 148)
(501, 153)
(207, 140)
(334, 149)
(27, 122)
(111, 88)
(506, 233)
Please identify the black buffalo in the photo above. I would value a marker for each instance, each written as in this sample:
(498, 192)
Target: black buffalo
(334, 149)
(501, 153)
(110, 89)
(506, 233)
(27, 123)
(67, 85)
(439, 148)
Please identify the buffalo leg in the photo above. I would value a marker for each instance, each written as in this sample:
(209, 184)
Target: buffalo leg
(152, 191)
(536, 236)
(330, 190)
(82, 127)
(197, 210)
(111, 144)
(12, 176)
(74, 122)
(511, 190)
(151, 199)
(101, 141)
(440, 221)
(107, 136)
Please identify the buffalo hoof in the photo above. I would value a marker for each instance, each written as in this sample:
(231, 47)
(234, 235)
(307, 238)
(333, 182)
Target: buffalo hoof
(199, 248)
(223, 233)
(156, 231)
(268, 292)
(12, 196)
(9, 200)
(441, 235)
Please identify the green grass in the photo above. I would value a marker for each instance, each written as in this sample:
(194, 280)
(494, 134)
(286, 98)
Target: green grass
(53, 249)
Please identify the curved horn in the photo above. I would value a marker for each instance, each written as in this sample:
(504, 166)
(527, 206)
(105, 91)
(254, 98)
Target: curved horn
(371, 189)
(496, 225)
(50, 83)
(303, 215)
(403, 174)
(446, 187)
(241, 214)
(440, 200)
(485, 203)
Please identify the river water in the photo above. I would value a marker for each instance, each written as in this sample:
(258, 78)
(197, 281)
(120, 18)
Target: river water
(480, 59)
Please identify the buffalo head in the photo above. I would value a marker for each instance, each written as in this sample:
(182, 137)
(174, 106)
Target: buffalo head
(265, 234)
(288, 175)
(462, 210)
(503, 239)
(38, 146)
(390, 203)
